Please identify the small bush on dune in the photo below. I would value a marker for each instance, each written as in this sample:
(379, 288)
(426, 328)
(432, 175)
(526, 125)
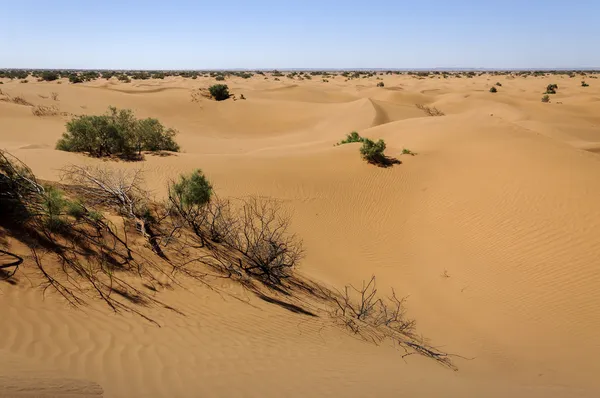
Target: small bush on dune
(584, 84)
(380, 84)
(352, 137)
(499, 84)
(220, 78)
(493, 90)
(372, 151)
(219, 92)
(116, 133)
(546, 98)
(551, 89)
(25, 81)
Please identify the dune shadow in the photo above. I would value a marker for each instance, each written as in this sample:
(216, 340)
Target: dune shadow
(288, 306)
(385, 162)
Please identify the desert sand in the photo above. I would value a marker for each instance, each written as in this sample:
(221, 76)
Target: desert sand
(492, 231)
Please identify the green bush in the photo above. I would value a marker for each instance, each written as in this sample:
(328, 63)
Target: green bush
(546, 98)
(53, 205)
(380, 84)
(75, 209)
(551, 89)
(493, 90)
(219, 92)
(49, 76)
(192, 190)
(373, 151)
(499, 84)
(220, 78)
(352, 137)
(74, 78)
(116, 133)
(584, 84)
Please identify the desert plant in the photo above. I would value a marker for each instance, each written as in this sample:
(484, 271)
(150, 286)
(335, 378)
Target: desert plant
(493, 90)
(430, 111)
(546, 98)
(116, 133)
(380, 84)
(551, 89)
(49, 76)
(242, 97)
(352, 137)
(499, 84)
(408, 152)
(42, 110)
(53, 205)
(220, 78)
(262, 237)
(219, 92)
(25, 81)
(74, 78)
(584, 84)
(54, 95)
(372, 151)
(189, 198)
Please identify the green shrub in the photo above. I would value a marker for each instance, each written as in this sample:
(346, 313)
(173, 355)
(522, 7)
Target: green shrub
(25, 81)
(352, 137)
(220, 78)
(49, 76)
(116, 133)
(499, 84)
(53, 204)
(75, 209)
(380, 84)
(546, 98)
(219, 92)
(493, 90)
(584, 84)
(373, 151)
(74, 78)
(408, 152)
(192, 190)
(551, 89)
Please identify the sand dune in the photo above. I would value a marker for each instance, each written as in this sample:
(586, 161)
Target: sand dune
(491, 230)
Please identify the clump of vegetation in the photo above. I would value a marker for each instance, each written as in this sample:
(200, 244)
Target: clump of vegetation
(54, 95)
(117, 132)
(493, 90)
(219, 92)
(242, 97)
(430, 111)
(220, 78)
(499, 84)
(546, 98)
(551, 89)
(380, 84)
(373, 152)
(75, 78)
(352, 137)
(25, 81)
(17, 100)
(408, 152)
(42, 110)
(49, 76)
(584, 84)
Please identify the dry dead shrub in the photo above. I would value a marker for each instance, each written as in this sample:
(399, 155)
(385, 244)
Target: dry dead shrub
(42, 110)
(430, 111)
(378, 319)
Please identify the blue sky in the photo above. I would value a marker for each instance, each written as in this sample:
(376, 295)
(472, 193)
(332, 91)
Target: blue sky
(299, 34)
